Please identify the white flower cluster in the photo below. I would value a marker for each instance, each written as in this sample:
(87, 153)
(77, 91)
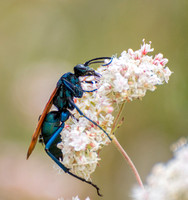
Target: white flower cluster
(125, 78)
(133, 73)
(74, 198)
(168, 181)
(81, 140)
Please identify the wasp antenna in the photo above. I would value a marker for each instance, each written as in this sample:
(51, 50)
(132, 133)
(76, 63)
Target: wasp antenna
(97, 60)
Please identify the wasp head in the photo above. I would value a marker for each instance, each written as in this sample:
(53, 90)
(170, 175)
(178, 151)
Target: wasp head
(83, 70)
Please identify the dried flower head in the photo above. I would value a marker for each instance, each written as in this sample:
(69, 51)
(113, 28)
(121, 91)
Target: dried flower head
(168, 181)
(125, 79)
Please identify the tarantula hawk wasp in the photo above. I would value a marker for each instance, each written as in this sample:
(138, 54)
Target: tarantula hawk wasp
(51, 123)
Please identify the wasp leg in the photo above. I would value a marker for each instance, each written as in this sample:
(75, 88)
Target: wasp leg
(54, 136)
(69, 85)
(72, 87)
(82, 114)
(65, 169)
(89, 90)
(89, 182)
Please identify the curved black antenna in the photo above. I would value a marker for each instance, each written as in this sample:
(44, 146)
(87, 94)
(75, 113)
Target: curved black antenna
(99, 58)
(109, 62)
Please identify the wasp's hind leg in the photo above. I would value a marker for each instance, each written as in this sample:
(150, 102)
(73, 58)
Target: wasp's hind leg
(51, 129)
(64, 116)
(66, 170)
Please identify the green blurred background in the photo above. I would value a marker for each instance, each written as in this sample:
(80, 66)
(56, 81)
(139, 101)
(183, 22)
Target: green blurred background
(42, 39)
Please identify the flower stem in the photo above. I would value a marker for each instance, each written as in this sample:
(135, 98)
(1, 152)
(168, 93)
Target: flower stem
(121, 150)
(129, 161)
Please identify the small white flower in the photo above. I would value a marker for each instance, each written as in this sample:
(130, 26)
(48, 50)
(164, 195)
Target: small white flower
(146, 48)
(74, 198)
(168, 181)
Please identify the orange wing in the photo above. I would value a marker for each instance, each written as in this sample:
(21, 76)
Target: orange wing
(40, 122)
